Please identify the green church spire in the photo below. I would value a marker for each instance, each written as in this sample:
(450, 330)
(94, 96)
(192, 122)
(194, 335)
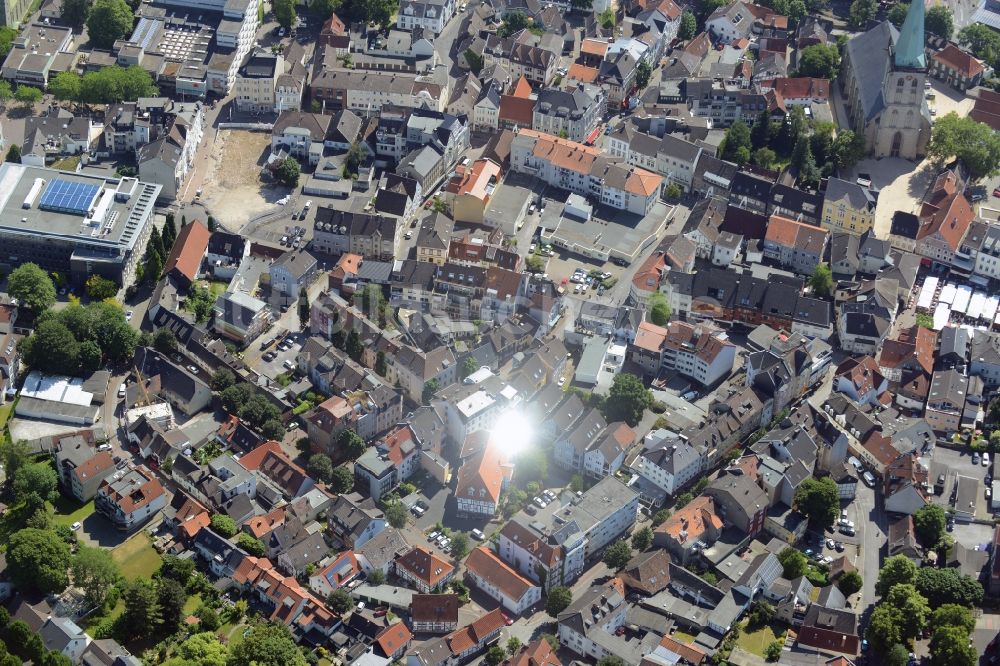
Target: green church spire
(910, 45)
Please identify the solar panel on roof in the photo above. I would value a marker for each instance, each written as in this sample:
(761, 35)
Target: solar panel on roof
(68, 196)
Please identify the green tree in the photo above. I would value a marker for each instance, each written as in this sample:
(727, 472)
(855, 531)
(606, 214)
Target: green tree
(760, 131)
(222, 379)
(773, 650)
(107, 22)
(38, 560)
(284, 13)
(642, 539)
(376, 577)
(495, 656)
(760, 615)
(612, 660)
(821, 280)
(804, 162)
(208, 619)
(342, 481)
(13, 455)
(981, 40)
(659, 309)
(469, 365)
(74, 12)
(897, 656)
(793, 562)
(170, 600)
(95, 572)
(351, 444)
(940, 21)
(821, 61)
(28, 96)
(459, 545)
(764, 158)
(202, 649)
(661, 516)
(617, 555)
(320, 467)
(950, 646)
(706, 7)
(51, 348)
(948, 586)
(251, 545)
(895, 570)
(912, 606)
(862, 12)
(267, 643)
(688, 27)
(848, 149)
(353, 346)
(953, 615)
(35, 485)
(380, 365)
(627, 400)
(340, 601)
(142, 609)
(642, 75)
(14, 152)
(395, 515)
(884, 628)
(7, 37)
(100, 288)
(736, 145)
(431, 387)
(929, 525)
(288, 171)
(673, 192)
(65, 86)
(558, 600)
(850, 583)
(819, 500)
(973, 142)
(897, 14)
(32, 287)
(474, 60)
(224, 525)
(513, 645)
(512, 23)
(176, 568)
(234, 396)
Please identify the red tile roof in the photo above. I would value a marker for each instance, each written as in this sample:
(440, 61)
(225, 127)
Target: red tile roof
(483, 563)
(258, 526)
(955, 58)
(188, 250)
(434, 608)
(482, 476)
(393, 638)
(477, 632)
(536, 653)
(688, 652)
(946, 212)
(425, 566)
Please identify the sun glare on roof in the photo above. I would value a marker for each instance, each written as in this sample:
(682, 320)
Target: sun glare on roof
(514, 432)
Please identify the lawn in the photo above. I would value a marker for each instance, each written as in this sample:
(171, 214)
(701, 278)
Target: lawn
(67, 511)
(5, 413)
(683, 637)
(67, 163)
(756, 642)
(136, 557)
(92, 621)
(192, 604)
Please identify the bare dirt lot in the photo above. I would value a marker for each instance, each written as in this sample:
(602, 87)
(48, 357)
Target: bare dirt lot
(234, 191)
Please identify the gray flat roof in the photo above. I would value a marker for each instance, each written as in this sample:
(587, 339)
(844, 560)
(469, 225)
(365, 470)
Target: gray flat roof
(109, 221)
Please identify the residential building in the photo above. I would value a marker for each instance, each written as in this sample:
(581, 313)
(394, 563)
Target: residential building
(794, 245)
(958, 69)
(670, 466)
(945, 216)
(946, 400)
(431, 15)
(847, 207)
(366, 91)
(482, 479)
(741, 502)
(130, 497)
(861, 380)
(690, 529)
(582, 169)
(423, 569)
(434, 613)
(371, 236)
(290, 273)
(472, 190)
(572, 113)
(491, 575)
(81, 468)
(597, 614)
(240, 317)
(700, 352)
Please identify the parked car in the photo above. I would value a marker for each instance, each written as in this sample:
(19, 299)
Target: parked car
(433, 535)
(478, 535)
(75, 526)
(975, 458)
(986, 460)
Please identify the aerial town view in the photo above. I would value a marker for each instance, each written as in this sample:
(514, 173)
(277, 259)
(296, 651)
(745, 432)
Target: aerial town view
(503, 332)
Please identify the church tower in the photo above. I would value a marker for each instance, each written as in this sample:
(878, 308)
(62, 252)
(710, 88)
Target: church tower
(904, 123)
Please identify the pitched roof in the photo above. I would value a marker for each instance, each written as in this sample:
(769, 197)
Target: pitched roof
(425, 566)
(946, 211)
(393, 638)
(489, 567)
(477, 632)
(482, 475)
(188, 250)
(434, 608)
(693, 520)
(536, 653)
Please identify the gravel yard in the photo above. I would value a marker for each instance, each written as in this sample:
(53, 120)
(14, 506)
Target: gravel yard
(233, 190)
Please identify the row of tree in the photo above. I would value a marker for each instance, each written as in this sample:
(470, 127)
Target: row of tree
(107, 85)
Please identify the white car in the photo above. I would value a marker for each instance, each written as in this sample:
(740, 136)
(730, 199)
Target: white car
(562, 380)
(104, 447)
(75, 526)
(128, 315)
(478, 535)
(193, 370)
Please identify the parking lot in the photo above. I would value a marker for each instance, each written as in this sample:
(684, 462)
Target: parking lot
(276, 359)
(953, 464)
